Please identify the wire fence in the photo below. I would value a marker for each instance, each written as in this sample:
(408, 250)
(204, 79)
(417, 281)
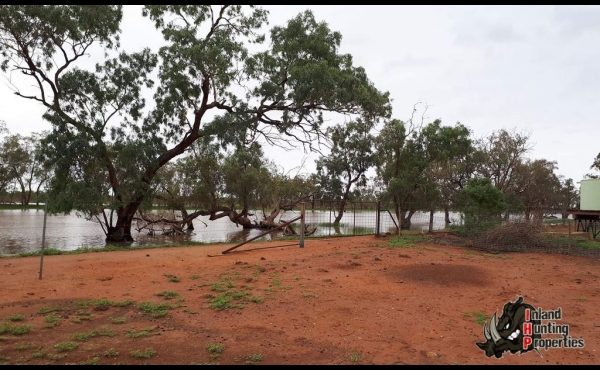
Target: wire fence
(557, 236)
(322, 219)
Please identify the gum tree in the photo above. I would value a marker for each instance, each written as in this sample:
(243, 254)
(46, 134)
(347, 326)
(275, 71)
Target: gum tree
(20, 161)
(351, 156)
(406, 157)
(107, 144)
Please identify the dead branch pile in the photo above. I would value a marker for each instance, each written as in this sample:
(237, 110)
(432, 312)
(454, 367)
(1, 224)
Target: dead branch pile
(526, 236)
(513, 236)
(163, 222)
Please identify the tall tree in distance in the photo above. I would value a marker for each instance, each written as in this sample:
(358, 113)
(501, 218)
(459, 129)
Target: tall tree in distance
(505, 151)
(106, 142)
(594, 167)
(406, 159)
(20, 160)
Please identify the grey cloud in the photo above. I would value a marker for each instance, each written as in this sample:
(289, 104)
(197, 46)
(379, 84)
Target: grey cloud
(576, 20)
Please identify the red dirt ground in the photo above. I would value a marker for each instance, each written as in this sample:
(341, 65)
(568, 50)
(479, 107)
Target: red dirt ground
(351, 300)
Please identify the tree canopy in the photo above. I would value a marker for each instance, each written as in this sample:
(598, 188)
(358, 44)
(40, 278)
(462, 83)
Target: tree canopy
(109, 142)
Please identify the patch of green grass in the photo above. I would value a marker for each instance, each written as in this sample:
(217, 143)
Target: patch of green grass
(172, 278)
(194, 277)
(479, 317)
(354, 357)
(125, 303)
(221, 302)
(580, 299)
(579, 242)
(111, 352)
(256, 299)
(132, 333)
(236, 294)
(82, 304)
(51, 320)
(81, 315)
(117, 320)
(24, 346)
(253, 358)
(362, 230)
(66, 346)
(15, 317)
(91, 361)
(215, 349)
(155, 309)
(104, 332)
(406, 241)
(38, 354)
(47, 252)
(222, 285)
(310, 295)
(45, 310)
(101, 304)
(168, 294)
(143, 353)
(82, 337)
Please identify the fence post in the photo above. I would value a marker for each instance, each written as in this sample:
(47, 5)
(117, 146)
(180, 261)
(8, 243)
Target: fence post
(569, 237)
(302, 221)
(43, 238)
(354, 226)
(377, 218)
(330, 205)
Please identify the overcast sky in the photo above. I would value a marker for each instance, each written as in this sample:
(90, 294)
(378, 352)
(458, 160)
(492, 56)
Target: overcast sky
(534, 69)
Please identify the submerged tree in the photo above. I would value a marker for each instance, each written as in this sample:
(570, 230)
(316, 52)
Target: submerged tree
(108, 145)
(406, 159)
(238, 185)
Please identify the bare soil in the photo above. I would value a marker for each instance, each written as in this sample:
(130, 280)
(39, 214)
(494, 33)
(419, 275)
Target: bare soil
(350, 300)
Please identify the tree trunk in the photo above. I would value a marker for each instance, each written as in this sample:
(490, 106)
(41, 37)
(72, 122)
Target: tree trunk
(431, 221)
(446, 217)
(398, 216)
(184, 214)
(564, 216)
(406, 219)
(340, 212)
(121, 232)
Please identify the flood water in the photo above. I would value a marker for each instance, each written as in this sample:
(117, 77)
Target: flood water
(21, 230)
